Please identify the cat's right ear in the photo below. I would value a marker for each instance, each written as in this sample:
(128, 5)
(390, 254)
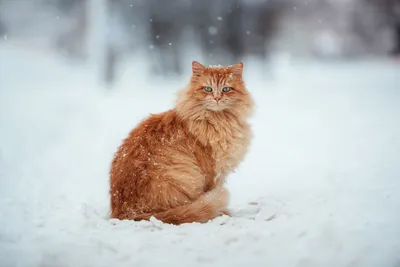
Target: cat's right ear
(197, 68)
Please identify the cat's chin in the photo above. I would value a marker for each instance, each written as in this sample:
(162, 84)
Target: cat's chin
(216, 108)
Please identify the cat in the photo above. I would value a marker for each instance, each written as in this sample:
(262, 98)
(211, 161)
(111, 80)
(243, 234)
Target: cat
(174, 165)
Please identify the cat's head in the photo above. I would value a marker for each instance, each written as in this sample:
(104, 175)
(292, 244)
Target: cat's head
(216, 89)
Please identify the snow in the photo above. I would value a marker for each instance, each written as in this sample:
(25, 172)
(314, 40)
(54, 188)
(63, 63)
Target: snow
(318, 188)
(215, 66)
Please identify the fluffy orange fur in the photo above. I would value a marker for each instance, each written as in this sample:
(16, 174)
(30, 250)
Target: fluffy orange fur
(174, 165)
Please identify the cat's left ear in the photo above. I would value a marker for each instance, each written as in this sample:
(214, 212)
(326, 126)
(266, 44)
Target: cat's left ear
(238, 68)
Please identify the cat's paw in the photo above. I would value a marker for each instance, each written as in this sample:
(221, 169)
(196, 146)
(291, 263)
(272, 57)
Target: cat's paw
(226, 212)
(219, 197)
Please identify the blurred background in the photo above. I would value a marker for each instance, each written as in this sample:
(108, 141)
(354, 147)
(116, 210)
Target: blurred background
(169, 34)
(77, 75)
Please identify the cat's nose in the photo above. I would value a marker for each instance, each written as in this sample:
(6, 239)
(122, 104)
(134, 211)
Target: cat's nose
(217, 98)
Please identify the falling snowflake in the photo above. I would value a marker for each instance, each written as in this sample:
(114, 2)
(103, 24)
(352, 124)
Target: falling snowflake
(212, 30)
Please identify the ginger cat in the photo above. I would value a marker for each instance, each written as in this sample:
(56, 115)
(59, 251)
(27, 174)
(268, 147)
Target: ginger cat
(173, 165)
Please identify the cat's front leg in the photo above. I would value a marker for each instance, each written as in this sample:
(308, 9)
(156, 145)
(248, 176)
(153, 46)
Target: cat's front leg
(214, 182)
(227, 213)
(224, 210)
(219, 180)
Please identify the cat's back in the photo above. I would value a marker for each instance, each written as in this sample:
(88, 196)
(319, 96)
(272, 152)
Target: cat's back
(154, 126)
(146, 139)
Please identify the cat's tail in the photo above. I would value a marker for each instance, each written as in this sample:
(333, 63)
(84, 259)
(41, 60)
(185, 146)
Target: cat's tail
(206, 207)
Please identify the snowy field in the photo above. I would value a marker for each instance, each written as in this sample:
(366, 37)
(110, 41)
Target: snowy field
(320, 186)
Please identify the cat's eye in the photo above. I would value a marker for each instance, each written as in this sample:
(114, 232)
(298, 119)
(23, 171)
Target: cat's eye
(207, 89)
(226, 89)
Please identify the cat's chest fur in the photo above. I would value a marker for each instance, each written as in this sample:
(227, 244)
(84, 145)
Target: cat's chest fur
(229, 147)
(229, 141)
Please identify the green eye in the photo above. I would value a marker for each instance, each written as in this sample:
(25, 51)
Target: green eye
(226, 89)
(207, 89)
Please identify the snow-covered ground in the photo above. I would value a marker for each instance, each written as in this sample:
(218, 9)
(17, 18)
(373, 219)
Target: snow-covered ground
(320, 186)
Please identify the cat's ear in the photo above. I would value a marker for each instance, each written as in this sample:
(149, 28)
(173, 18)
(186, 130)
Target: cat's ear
(197, 68)
(238, 68)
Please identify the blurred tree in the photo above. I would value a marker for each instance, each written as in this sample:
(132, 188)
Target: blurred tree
(115, 39)
(165, 23)
(72, 38)
(374, 16)
(229, 30)
(218, 26)
(392, 9)
(233, 23)
(2, 25)
(260, 26)
(3, 29)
